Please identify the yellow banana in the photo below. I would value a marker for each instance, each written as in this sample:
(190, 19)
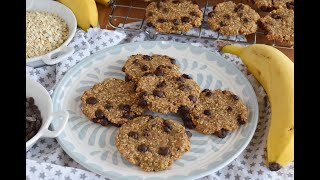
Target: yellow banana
(85, 11)
(275, 72)
(104, 2)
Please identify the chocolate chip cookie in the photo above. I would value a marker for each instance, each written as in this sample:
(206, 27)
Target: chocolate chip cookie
(231, 19)
(279, 25)
(169, 92)
(112, 100)
(269, 5)
(140, 65)
(216, 112)
(152, 143)
(172, 16)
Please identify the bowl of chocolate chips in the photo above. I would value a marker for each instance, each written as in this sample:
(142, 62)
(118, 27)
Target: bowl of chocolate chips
(39, 114)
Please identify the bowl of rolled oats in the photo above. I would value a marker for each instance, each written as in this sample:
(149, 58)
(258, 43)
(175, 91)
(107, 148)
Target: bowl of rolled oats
(39, 114)
(50, 27)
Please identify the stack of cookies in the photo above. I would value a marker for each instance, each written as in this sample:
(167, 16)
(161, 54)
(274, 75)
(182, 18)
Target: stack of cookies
(227, 18)
(155, 83)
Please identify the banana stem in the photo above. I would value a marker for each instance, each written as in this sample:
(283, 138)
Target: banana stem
(232, 49)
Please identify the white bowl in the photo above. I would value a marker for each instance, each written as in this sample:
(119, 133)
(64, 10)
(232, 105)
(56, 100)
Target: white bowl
(62, 52)
(43, 100)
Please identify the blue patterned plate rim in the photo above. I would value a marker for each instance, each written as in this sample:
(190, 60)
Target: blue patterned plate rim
(113, 175)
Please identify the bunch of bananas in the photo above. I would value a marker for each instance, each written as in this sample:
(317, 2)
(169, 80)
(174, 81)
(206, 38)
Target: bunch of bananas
(275, 71)
(86, 11)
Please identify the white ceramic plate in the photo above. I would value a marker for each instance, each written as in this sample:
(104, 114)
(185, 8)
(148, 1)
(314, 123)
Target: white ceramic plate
(93, 146)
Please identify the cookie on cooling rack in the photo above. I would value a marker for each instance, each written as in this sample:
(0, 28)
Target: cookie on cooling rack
(269, 5)
(112, 100)
(279, 25)
(229, 18)
(172, 16)
(152, 143)
(216, 112)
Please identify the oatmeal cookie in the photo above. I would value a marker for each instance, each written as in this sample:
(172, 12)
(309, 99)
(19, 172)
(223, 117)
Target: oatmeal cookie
(112, 100)
(140, 65)
(152, 143)
(172, 16)
(231, 19)
(279, 25)
(170, 92)
(216, 112)
(269, 5)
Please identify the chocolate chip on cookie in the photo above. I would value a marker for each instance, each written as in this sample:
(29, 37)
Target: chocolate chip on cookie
(133, 135)
(235, 97)
(207, 92)
(127, 115)
(108, 105)
(142, 102)
(91, 100)
(158, 93)
(167, 127)
(161, 84)
(192, 98)
(229, 108)
(173, 61)
(187, 122)
(222, 133)
(144, 68)
(183, 110)
(164, 151)
(143, 148)
(158, 72)
(186, 76)
(207, 112)
(104, 122)
(241, 120)
(99, 114)
(184, 87)
(189, 134)
(181, 79)
(146, 57)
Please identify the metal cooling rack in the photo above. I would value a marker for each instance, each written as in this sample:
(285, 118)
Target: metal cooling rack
(131, 7)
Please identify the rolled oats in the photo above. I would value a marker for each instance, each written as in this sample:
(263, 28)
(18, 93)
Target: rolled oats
(45, 32)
